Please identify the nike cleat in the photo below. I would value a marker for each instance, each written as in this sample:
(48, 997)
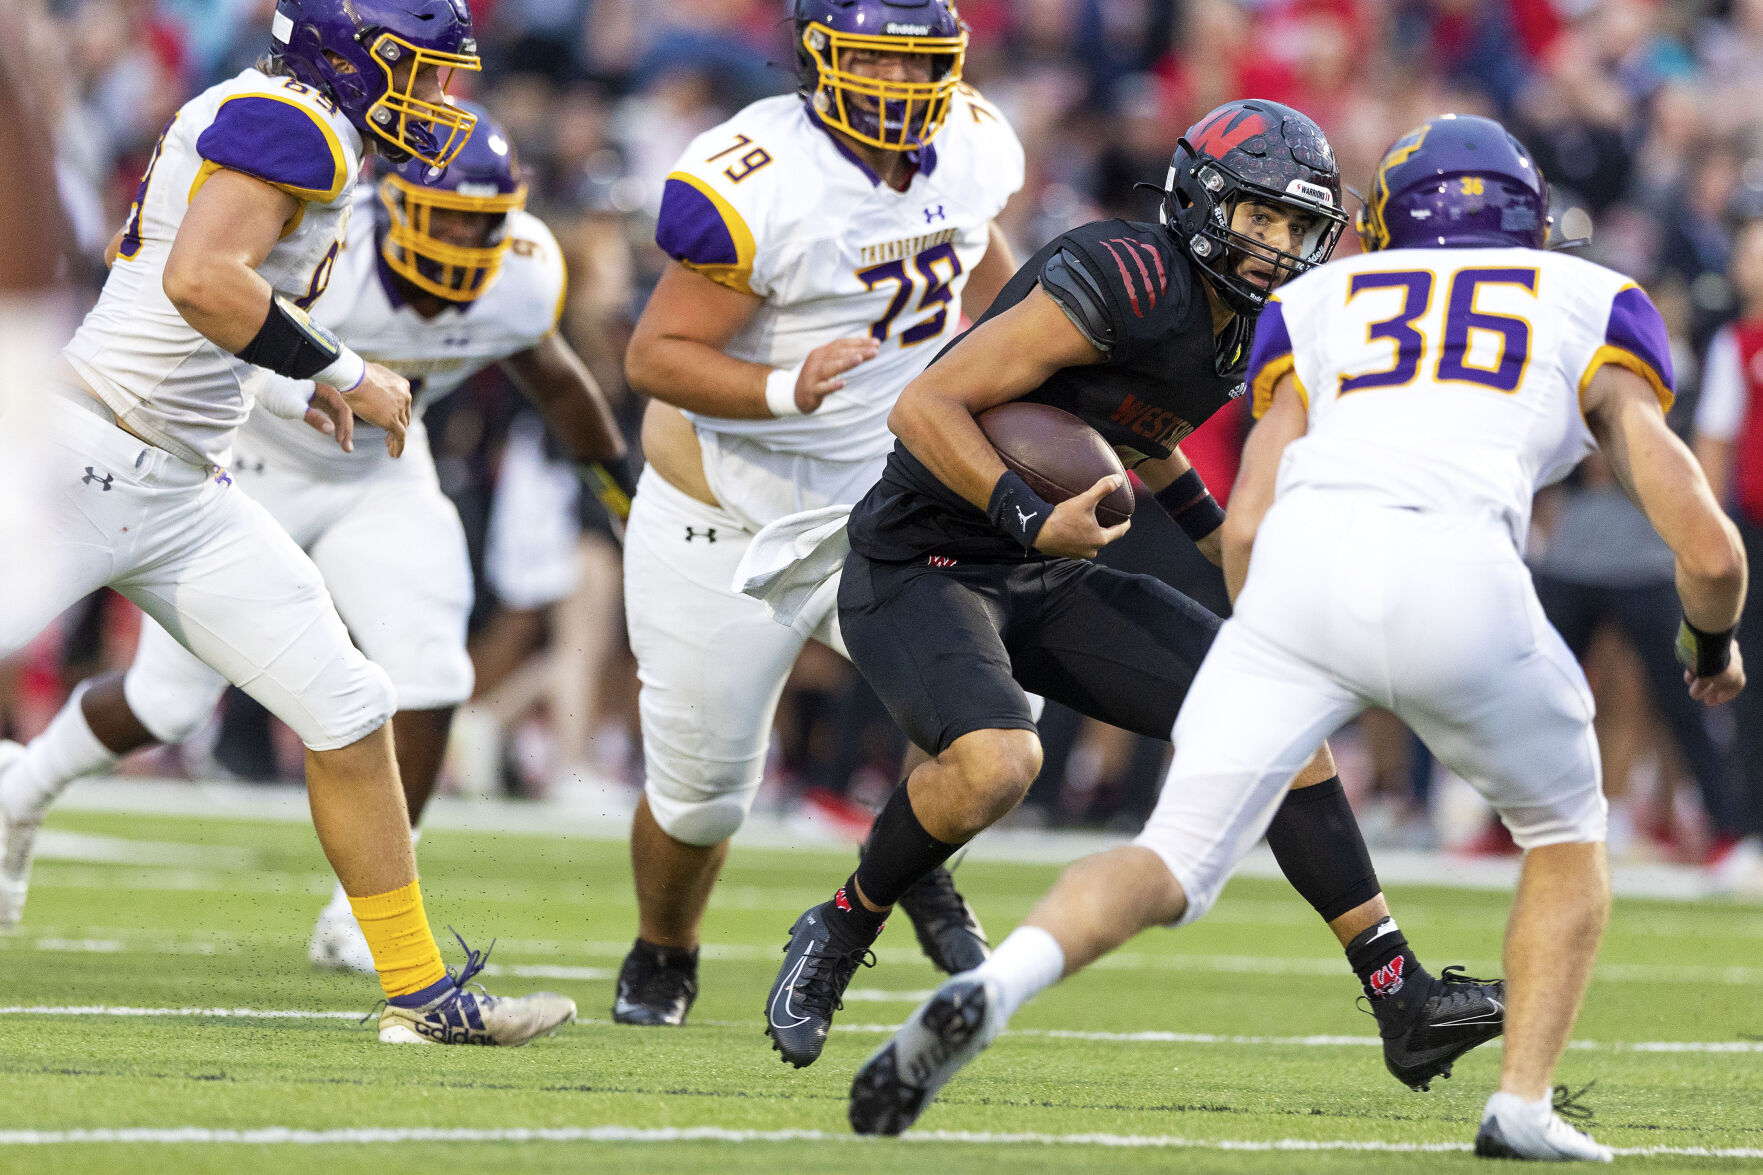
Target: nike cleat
(948, 931)
(1512, 1128)
(337, 943)
(656, 985)
(448, 1012)
(18, 838)
(1459, 1013)
(894, 1086)
(810, 987)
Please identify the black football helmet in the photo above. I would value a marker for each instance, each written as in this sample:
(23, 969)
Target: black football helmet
(1251, 149)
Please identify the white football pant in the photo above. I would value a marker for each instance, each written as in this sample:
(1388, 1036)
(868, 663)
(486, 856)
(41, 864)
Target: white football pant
(1351, 603)
(199, 557)
(392, 553)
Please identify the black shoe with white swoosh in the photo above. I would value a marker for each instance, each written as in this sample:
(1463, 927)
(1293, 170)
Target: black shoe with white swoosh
(810, 987)
(1460, 1013)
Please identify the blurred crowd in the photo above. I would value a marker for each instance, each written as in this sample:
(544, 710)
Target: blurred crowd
(1646, 116)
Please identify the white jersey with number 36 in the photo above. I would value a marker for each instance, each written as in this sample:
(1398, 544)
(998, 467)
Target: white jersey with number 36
(1450, 379)
(163, 379)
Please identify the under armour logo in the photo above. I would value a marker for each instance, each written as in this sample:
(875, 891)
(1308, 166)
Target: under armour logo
(103, 479)
(931, 215)
(1023, 520)
(708, 534)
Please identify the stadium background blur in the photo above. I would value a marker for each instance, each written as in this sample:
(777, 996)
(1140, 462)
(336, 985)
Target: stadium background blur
(1644, 116)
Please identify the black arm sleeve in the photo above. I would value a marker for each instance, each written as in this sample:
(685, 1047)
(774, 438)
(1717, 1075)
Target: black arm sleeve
(1079, 294)
(291, 344)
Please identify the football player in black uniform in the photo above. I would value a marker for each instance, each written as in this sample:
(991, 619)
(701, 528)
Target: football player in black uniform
(964, 588)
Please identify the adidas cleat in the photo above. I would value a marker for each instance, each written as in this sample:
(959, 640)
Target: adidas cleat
(337, 944)
(18, 838)
(448, 1012)
(894, 1086)
(656, 985)
(948, 931)
(1460, 1013)
(810, 986)
(1512, 1128)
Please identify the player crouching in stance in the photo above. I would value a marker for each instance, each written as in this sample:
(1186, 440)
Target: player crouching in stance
(442, 273)
(823, 242)
(1413, 400)
(236, 229)
(963, 588)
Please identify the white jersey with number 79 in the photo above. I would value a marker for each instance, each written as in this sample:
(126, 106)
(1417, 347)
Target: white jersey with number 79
(1450, 380)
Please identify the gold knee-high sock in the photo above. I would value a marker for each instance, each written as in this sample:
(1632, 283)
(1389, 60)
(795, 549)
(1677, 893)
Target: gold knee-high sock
(398, 934)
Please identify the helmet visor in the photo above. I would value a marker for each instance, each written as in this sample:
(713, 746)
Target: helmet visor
(891, 115)
(458, 273)
(433, 132)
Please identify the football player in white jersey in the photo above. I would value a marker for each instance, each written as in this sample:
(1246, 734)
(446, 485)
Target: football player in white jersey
(235, 229)
(1412, 400)
(822, 245)
(440, 274)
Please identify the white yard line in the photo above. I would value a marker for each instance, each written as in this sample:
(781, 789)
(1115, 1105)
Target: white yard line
(1152, 1037)
(283, 1136)
(137, 942)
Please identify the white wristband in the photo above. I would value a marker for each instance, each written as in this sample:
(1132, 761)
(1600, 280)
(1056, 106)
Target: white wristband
(780, 391)
(345, 372)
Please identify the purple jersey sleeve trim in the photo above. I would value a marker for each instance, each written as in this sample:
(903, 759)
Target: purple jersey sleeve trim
(1635, 327)
(1272, 340)
(703, 232)
(279, 141)
(690, 228)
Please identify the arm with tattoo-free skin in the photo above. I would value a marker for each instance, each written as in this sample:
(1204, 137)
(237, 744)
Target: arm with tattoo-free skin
(998, 361)
(211, 277)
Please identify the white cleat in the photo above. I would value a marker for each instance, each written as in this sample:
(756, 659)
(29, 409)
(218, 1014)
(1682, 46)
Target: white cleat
(952, 1028)
(17, 840)
(459, 1015)
(1512, 1128)
(337, 943)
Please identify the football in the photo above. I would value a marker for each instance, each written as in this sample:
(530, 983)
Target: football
(1058, 455)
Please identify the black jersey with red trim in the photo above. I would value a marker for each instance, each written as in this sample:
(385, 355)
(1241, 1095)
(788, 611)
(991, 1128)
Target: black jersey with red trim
(1134, 294)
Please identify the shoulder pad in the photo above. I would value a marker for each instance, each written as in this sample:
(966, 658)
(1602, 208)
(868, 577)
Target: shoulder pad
(1144, 281)
(280, 139)
(1079, 294)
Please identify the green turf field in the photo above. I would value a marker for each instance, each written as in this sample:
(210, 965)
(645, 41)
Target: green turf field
(1669, 1033)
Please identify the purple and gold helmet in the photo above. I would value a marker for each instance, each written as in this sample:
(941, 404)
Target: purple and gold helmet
(355, 51)
(1459, 180)
(1251, 149)
(891, 115)
(483, 179)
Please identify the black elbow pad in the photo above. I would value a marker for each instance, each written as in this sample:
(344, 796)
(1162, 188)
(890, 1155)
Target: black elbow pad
(1080, 295)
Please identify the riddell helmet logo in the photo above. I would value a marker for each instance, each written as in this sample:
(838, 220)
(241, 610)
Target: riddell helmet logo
(895, 29)
(1387, 979)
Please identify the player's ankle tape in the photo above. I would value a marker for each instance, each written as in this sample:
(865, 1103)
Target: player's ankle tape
(1017, 510)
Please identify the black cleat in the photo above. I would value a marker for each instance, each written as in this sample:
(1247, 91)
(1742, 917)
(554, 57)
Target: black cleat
(1459, 1013)
(810, 986)
(948, 930)
(893, 1087)
(656, 985)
